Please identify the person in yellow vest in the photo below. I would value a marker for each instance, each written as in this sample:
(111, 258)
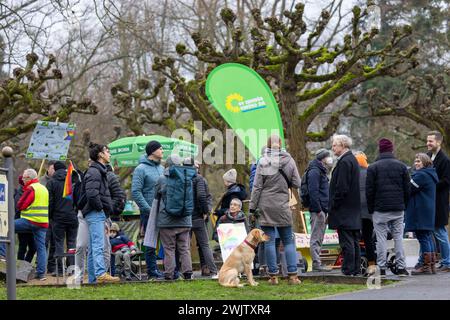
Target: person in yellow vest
(33, 205)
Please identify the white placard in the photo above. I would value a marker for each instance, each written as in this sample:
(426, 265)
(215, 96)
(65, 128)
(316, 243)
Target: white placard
(302, 239)
(230, 236)
(3, 206)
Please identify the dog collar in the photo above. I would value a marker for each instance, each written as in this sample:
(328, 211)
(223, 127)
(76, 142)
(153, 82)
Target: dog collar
(250, 245)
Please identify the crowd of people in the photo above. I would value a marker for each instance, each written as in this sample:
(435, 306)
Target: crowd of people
(345, 193)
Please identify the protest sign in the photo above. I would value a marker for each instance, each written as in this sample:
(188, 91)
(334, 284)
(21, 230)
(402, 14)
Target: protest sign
(50, 140)
(230, 236)
(3, 206)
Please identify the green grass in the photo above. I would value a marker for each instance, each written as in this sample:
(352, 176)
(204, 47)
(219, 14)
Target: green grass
(183, 290)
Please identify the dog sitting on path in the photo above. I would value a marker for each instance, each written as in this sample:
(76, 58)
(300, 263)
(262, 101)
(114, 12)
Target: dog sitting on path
(240, 260)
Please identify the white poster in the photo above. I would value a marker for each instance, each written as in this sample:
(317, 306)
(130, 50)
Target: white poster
(302, 239)
(230, 236)
(50, 140)
(3, 206)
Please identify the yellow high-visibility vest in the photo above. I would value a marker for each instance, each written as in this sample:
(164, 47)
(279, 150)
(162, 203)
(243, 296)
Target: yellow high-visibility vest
(38, 209)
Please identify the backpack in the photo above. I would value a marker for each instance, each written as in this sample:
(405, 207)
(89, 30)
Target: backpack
(79, 192)
(179, 197)
(304, 192)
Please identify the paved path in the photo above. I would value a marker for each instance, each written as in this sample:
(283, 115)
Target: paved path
(426, 287)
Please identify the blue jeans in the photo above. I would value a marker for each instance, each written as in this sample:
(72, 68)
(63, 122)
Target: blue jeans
(96, 261)
(149, 253)
(441, 236)
(425, 239)
(23, 225)
(287, 238)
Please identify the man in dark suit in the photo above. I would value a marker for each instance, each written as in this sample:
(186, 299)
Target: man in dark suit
(442, 164)
(345, 204)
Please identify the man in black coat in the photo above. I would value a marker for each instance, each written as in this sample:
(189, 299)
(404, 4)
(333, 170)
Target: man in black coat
(442, 164)
(61, 213)
(387, 193)
(345, 204)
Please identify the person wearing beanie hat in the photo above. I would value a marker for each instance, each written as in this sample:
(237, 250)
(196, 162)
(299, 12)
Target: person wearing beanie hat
(318, 189)
(234, 190)
(230, 177)
(387, 194)
(152, 146)
(366, 218)
(385, 145)
(59, 165)
(143, 185)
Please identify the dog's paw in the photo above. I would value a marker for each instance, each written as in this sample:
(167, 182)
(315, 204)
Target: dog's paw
(254, 284)
(240, 285)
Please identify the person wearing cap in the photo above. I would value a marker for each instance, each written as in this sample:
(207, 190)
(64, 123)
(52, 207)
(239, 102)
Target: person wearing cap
(234, 190)
(123, 249)
(345, 204)
(366, 218)
(63, 217)
(143, 184)
(387, 193)
(318, 188)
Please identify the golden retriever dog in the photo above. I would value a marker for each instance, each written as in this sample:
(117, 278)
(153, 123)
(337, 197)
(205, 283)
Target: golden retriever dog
(240, 260)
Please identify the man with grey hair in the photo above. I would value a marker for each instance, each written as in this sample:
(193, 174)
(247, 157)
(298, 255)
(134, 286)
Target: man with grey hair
(33, 205)
(345, 204)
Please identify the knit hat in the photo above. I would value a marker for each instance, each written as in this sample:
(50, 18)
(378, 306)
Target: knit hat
(188, 162)
(174, 160)
(115, 227)
(385, 145)
(59, 165)
(230, 176)
(152, 146)
(362, 160)
(322, 154)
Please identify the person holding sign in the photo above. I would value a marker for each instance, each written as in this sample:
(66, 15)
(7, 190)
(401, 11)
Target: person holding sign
(275, 174)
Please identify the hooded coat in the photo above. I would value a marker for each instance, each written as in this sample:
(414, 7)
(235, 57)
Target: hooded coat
(420, 212)
(143, 184)
(318, 187)
(97, 191)
(59, 208)
(235, 190)
(270, 189)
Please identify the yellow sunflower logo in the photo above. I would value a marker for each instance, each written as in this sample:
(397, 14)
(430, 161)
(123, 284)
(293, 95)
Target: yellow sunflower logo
(229, 102)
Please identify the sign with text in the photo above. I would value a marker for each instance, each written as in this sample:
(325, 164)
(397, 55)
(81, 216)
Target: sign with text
(302, 239)
(3, 206)
(51, 140)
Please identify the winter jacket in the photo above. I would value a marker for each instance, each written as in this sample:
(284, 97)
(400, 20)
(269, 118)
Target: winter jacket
(442, 165)
(27, 198)
(387, 184)
(270, 190)
(97, 191)
(118, 196)
(345, 203)
(233, 191)
(163, 219)
(145, 177)
(121, 241)
(228, 218)
(420, 212)
(318, 186)
(362, 187)
(201, 197)
(60, 209)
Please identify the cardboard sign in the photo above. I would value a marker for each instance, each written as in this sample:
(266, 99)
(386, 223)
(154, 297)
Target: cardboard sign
(50, 140)
(3, 206)
(230, 236)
